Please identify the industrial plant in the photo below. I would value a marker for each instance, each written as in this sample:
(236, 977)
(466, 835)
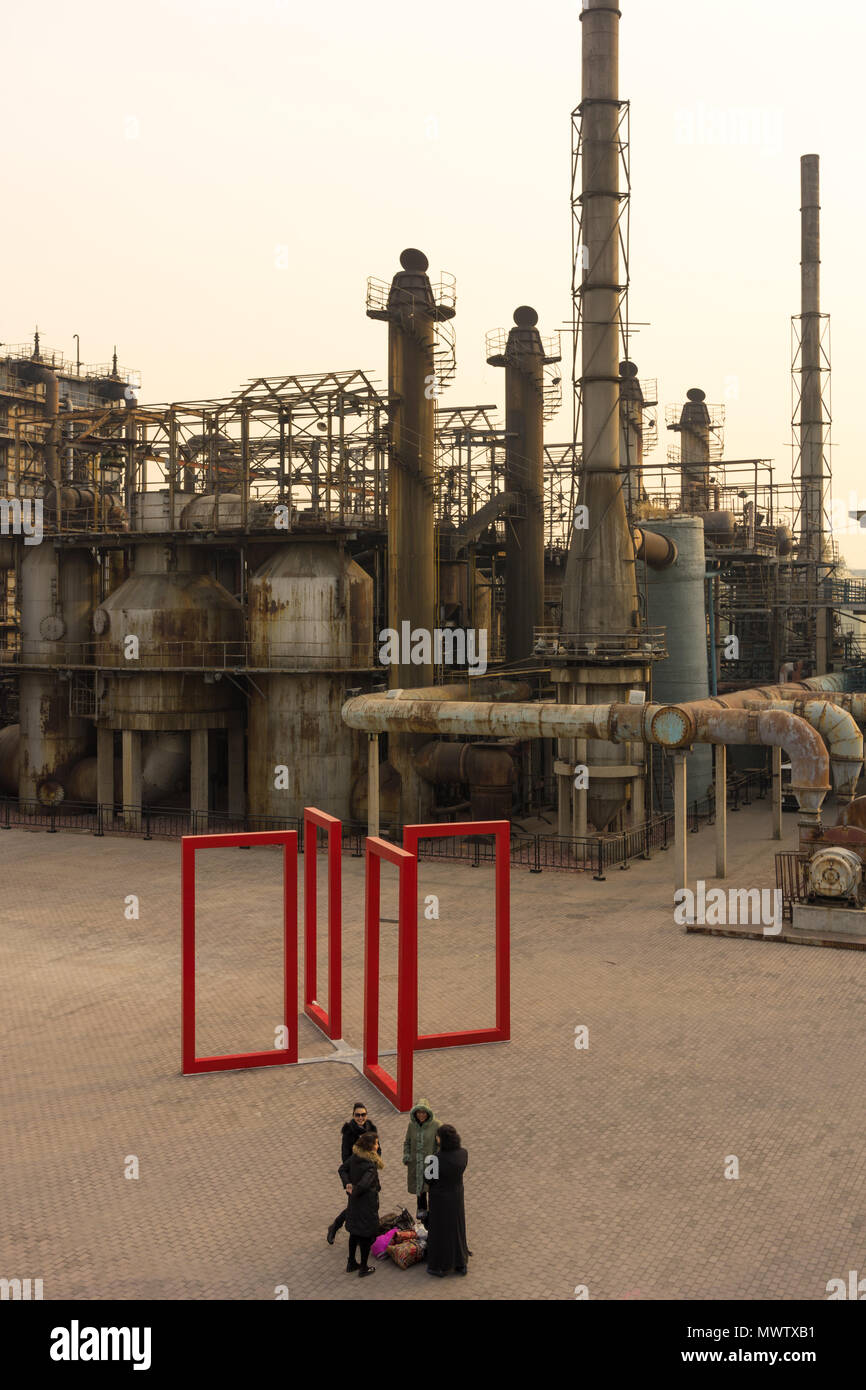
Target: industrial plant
(332, 589)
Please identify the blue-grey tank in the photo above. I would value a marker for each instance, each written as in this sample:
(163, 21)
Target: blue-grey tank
(677, 602)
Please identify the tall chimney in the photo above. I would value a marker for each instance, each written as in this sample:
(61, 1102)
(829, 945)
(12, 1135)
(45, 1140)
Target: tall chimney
(600, 598)
(411, 313)
(524, 361)
(811, 403)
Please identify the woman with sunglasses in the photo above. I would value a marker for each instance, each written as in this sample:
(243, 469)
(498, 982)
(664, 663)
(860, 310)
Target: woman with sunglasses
(350, 1134)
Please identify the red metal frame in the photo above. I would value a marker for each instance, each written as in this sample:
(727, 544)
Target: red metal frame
(331, 1023)
(501, 830)
(190, 1063)
(398, 1090)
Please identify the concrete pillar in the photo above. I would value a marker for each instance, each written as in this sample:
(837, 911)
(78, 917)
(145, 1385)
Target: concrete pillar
(237, 797)
(777, 793)
(198, 777)
(721, 811)
(105, 767)
(373, 785)
(131, 779)
(681, 852)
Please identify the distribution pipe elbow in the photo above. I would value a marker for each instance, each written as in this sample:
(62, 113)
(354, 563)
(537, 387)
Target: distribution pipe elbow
(840, 732)
(810, 761)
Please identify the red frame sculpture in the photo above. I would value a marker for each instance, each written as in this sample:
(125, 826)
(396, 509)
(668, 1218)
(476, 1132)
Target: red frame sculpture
(190, 1063)
(501, 831)
(398, 1090)
(331, 1023)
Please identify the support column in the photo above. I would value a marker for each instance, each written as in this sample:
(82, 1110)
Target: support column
(579, 797)
(198, 777)
(681, 853)
(721, 811)
(237, 790)
(777, 793)
(131, 779)
(373, 785)
(105, 769)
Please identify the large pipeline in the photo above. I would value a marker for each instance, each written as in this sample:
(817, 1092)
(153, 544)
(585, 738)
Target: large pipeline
(669, 726)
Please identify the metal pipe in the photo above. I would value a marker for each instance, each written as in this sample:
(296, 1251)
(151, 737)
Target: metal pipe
(670, 726)
(659, 552)
(841, 734)
(837, 726)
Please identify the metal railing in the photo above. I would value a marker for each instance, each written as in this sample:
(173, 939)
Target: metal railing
(791, 880)
(535, 852)
(645, 643)
(195, 655)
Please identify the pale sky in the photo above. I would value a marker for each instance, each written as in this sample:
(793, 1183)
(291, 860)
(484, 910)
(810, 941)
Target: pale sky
(159, 156)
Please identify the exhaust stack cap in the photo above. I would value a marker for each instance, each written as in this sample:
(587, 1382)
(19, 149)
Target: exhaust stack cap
(525, 316)
(410, 259)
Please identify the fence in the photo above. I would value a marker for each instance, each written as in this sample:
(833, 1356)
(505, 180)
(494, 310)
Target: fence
(791, 880)
(535, 852)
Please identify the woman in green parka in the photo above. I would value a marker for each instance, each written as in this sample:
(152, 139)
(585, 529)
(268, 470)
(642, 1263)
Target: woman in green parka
(419, 1144)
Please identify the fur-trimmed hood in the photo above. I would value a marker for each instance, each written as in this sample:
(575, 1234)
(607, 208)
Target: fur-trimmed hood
(370, 1156)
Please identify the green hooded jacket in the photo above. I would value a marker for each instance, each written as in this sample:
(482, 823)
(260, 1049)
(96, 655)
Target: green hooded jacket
(419, 1143)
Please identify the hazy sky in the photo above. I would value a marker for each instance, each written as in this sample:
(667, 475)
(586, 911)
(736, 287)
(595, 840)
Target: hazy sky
(164, 160)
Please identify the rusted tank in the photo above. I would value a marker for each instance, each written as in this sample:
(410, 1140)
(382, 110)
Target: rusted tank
(311, 625)
(211, 512)
(57, 594)
(164, 772)
(183, 622)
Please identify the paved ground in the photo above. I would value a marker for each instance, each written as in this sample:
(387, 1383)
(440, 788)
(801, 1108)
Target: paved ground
(602, 1168)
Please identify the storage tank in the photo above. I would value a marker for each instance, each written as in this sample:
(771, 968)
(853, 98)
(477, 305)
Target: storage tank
(676, 601)
(310, 617)
(181, 617)
(57, 593)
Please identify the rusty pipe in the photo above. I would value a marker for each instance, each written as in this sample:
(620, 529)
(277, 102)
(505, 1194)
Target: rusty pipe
(670, 726)
(810, 761)
(835, 722)
(841, 734)
(494, 688)
(656, 551)
(488, 764)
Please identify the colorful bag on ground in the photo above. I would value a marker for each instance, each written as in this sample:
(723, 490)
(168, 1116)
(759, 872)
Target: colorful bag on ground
(381, 1243)
(405, 1252)
(389, 1221)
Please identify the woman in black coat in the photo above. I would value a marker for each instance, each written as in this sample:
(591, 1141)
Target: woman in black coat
(360, 1176)
(446, 1221)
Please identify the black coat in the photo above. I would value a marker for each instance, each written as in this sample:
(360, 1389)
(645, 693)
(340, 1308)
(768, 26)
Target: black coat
(350, 1134)
(362, 1218)
(446, 1219)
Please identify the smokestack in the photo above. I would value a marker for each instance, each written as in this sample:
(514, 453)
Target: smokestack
(694, 432)
(600, 599)
(524, 361)
(812, 424)
(411, 313)
(600, 589)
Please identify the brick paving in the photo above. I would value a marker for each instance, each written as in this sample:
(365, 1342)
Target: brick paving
(601, 1167)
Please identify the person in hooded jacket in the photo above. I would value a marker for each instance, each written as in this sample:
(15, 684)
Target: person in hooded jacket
(418, 1146)
(349, 1136)
(360, 1175)
(446, 1221)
